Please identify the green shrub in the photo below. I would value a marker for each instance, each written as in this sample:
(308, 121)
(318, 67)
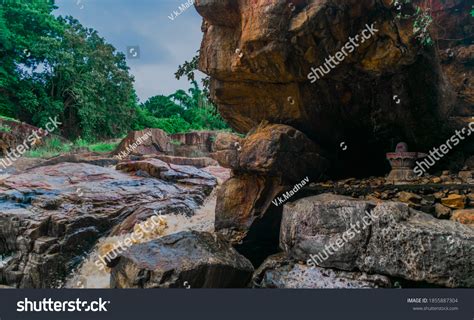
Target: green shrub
(5, 128)
(103, 147)
(51, 147)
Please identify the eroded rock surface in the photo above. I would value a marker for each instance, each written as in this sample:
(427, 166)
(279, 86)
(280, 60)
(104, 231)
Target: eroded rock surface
(278, 271)
(194, 259)
(193, 144)
(186, 175)
(259, 54)
(270, 160)
(51, 215)
(398, 242)
(149, 141)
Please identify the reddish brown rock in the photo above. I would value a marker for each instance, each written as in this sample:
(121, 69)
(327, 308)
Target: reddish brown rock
(149, 141)
(192, 144)
(454, 201)
(226, 150)
(243, 199)
(199, 162)
(7, 142)
(260, 53)
(186, 175)
(246, 216)
(281, 151)
(464, 216)
(222, 174)
(272, 150)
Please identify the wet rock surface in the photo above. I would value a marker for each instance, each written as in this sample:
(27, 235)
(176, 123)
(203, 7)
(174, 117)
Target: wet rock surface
(399, 241)
(279, 271)
(194, 259)
(51, 215)
(186, 175)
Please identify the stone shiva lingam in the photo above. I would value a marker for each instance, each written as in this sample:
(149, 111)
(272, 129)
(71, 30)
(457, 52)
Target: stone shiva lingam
(402, 163)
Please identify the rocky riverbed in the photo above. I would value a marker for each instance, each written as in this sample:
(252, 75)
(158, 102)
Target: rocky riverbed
(346, 226)
(56, 221)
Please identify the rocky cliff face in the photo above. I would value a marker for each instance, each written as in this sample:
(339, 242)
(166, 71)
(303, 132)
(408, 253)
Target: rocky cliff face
(387, 88)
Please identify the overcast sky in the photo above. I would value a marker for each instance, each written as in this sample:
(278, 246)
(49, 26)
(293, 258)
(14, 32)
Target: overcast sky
(164, 43)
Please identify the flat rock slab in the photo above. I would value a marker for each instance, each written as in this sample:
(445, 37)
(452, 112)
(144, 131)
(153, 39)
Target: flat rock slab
(398, 241)
(185, 259)
(52, 215)
(182, 174)
(198, 162)
(278, 271)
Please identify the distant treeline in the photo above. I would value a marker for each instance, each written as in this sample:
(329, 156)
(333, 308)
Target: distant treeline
(53, 66)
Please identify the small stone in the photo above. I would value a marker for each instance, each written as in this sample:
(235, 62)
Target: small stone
(408, 197)
(454, 201)
(439, 195)
(436, 180)
(442, 212)
(465, 176)
(470, 196)
(428, 199)
(465, 216)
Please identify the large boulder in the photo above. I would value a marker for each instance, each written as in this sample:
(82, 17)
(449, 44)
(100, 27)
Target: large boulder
(272, 150)
(278, 271)
(385, 238)
(226, 149)
(149, 141)
(185, 259)
(281, 151)
(272, 159)
(243, 199)
(260, 55)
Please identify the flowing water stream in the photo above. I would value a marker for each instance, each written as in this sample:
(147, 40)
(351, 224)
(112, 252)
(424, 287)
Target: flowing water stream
(88, 275)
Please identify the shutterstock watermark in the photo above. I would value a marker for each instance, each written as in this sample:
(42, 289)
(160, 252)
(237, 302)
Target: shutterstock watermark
(29, 142)
(48, 305)
(317, 259)
(287, 195)
(141, 231)
(350, 46)
(445, 148)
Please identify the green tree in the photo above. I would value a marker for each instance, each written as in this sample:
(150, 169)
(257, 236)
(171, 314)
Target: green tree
(162, 107)
(53, 66)
(180, 112)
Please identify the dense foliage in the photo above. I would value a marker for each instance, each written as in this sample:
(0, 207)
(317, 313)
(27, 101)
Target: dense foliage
(53, 66)
(179, 112)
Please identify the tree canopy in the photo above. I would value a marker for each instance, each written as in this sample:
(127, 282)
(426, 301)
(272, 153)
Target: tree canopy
(53, 66)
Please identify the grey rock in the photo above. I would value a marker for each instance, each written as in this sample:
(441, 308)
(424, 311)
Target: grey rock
(190, 258)
(399, 242)
(278, 271)
(442, 212)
